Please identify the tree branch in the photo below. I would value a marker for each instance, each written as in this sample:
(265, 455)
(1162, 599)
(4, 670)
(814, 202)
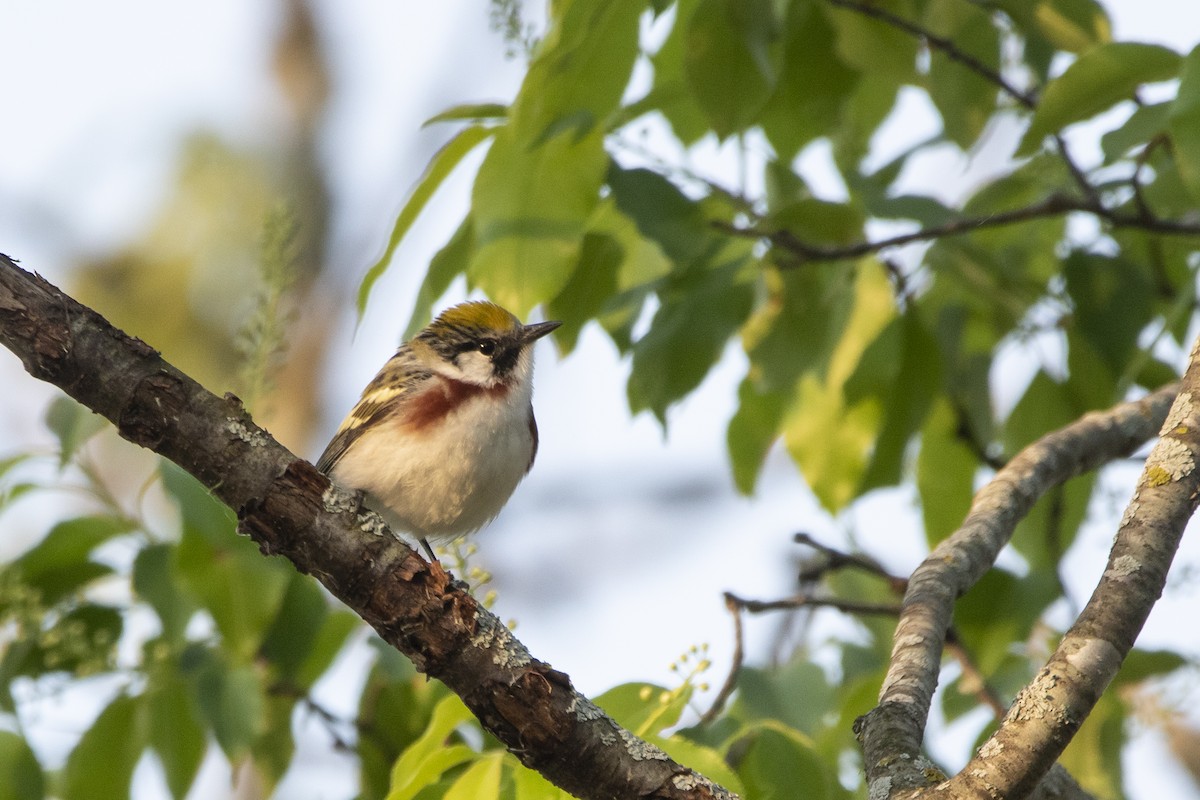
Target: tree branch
(943, 45)
(892, 733)
(290, 509)
(1052, 206)
(1048, 712)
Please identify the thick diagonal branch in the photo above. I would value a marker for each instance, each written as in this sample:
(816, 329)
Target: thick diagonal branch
(292, 510)
(892, 733)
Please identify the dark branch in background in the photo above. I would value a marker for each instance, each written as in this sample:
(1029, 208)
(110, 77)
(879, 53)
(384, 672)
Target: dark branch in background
(1052, 206)
(945, 46)
(290, 509)
(1057, 204)
(892, 733)
(735, 666)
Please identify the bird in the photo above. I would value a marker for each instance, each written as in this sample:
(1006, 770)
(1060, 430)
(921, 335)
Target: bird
(445, 431)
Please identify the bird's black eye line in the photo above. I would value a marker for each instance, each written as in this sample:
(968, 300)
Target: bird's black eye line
(487, 347)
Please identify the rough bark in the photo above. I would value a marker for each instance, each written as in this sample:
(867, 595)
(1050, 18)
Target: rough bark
(292, 510)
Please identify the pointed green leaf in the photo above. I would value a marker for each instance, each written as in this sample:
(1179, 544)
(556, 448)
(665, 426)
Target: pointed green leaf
(529, 209)
(155, 582)
(473, 112)
(1072, 25)
(965, 99)
(440, 166)
(21, 776)
(446, 265)
(480, 781)
(1184, 124)
(778, 760)
(644, 708)
(829, 438)
(101, 765)
(174, 728)
(755, 426)
(232, 701)
(59, 564)
(1143, 125)
(946, 467)
(73, 424)
(731, 61)
(424, 761)
(1099, 78)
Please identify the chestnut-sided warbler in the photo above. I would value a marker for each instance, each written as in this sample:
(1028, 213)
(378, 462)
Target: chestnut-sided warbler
(444, 433)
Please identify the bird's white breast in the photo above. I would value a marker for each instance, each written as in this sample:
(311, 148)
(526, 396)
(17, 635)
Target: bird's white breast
(448, 477)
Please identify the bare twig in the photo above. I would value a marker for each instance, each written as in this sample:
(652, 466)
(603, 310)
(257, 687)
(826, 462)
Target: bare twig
(943, 45)
(836, 559)
(809, 601)
(972, 679)
(735, 665)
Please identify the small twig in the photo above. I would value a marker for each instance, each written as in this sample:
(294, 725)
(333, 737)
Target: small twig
(808, 601)
(946, 46)
(837, 559)
(984, 692)
(735, 666)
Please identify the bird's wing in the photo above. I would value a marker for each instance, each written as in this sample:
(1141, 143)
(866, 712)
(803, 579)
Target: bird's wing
(388, 391)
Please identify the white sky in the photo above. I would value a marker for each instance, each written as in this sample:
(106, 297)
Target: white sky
(97, 96)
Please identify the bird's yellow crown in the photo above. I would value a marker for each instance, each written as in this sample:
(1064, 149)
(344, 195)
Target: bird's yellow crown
(478, 315)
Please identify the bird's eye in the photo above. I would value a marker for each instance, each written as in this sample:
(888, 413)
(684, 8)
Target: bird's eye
(487, 347)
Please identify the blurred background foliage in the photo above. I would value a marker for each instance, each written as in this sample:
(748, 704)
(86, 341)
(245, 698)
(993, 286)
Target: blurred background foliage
(872, 316)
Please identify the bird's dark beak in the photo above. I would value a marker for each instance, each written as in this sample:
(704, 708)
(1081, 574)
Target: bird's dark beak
(531, 333)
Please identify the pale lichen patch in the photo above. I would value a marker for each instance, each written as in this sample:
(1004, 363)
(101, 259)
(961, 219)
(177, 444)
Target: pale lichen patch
(1181, 411)
(880, 788)
(1170, 460)
(991, 748)
(495, 637)
(640, 750)
(1122, 567)
(254, 438)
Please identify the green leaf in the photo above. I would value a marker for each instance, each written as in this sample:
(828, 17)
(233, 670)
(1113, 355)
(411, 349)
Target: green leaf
(829, 438)
(480, 781)
(232, 701)
(580, 71)
(1094, 753)
(644, 708)
(731, 60)
(670, 95)
(1113, 301)
(174, 728)
(1099, 78)
(796, 694)
(903, 376)
(472, 112)
(701, 309)
(989, 634)
(1072, 25)
(965, 99)
(73, 424)
(21, 776)
(812, 86)
(529, 209)
(1183, 121)
(753, 429)
(446, 265)
(59, 565)
(424, 761)
(1141, 665)
(292, 633)
(1143, 125)
(440, 166)
(946, 468)
(661, 212)
(778, 760)
(225, 572)
(328, 643)
(155, 581)
(101, 765)
(873, 46)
